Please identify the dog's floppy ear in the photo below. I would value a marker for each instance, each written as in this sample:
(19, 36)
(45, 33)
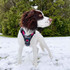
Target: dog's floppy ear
(28, 20)
(23, 18)
(32, 23)
(31, 13)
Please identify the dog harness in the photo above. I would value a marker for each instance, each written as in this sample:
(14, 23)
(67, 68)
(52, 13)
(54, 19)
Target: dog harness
(27, 38)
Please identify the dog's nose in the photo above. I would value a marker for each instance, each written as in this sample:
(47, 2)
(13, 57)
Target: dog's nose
(50, 19)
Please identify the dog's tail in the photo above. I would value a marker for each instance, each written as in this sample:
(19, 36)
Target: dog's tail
(43, 45)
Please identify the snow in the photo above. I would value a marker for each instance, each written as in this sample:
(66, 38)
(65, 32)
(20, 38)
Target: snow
(1, 34)
(59, 46)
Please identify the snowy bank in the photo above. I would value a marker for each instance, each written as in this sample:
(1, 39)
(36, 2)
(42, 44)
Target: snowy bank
(59, 46)
(1, 34)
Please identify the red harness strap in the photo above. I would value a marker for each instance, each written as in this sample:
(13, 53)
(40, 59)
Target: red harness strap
(27, 38)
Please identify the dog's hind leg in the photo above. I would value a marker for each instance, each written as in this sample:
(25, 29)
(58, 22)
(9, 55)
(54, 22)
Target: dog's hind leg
(43, 45)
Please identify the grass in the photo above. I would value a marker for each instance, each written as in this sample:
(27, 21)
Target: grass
(44, 36)
(7, 36)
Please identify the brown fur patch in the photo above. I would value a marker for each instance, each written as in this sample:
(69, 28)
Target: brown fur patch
(29, 19)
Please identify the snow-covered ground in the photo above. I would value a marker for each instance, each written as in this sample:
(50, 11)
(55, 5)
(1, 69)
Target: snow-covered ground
(59, 46)
(0, 33)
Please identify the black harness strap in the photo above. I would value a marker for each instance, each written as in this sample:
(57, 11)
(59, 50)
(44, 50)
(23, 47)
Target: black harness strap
(27, 38)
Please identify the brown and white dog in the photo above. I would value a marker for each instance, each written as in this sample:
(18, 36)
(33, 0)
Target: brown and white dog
(29, 36)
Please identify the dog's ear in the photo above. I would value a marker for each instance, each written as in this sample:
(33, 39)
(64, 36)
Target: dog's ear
(30, 14)
(32, 23)
(23, 18)
(27, 15)
(28, 20)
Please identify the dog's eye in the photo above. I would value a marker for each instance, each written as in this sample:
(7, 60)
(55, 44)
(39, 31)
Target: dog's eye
(40, 15)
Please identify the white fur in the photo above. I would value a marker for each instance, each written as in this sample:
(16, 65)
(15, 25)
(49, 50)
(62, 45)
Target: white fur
(44, 22)
(35, 39)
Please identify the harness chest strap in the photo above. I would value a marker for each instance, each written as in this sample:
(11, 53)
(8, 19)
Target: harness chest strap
(27, 38)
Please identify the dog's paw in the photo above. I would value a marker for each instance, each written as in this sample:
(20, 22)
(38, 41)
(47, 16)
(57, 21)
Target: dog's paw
(51, 57)
(19, 62)
(35, 64)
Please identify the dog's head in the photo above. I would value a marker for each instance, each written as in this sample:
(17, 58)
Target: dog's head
(33, 19)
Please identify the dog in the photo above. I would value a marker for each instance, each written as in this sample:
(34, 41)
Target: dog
(28, 34)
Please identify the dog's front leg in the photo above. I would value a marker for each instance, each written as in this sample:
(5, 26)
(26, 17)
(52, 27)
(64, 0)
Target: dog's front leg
(20, 54)
(35, 52)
